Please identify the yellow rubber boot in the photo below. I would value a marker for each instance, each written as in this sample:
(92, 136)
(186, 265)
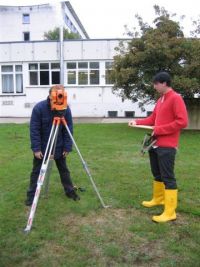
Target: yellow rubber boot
(169, 213)
(158, 195)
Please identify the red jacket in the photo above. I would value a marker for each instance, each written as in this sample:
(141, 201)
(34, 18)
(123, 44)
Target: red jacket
(168, 118)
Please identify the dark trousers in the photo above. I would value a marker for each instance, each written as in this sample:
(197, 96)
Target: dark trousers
(63, 171)
(162, 161)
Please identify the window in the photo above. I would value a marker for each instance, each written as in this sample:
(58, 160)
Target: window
(26, 18)
(71, 73)
(26, 36)
(67, 21)
(112, 114)
(94, 72)
(12, 79)
(83, 73)
(44, 73)
(108, 72)
(33, 74)
(129, 114)
(55, 73)
(19, 78)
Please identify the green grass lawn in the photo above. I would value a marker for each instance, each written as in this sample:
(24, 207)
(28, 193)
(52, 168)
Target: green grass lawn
(68, 233)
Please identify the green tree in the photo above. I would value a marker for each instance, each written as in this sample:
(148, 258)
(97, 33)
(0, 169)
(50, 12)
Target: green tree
(160, 47)
(54, 34)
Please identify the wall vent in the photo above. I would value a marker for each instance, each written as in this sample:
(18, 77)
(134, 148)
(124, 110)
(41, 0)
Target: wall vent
(7, 103)
(29, 105)
(112, 114)
(129, 114)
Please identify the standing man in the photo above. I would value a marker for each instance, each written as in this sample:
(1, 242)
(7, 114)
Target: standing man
(40, 127)
(168, 118)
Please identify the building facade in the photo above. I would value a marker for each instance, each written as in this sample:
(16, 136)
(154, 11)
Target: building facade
(29, 23)
(29, 65)
(29, 69)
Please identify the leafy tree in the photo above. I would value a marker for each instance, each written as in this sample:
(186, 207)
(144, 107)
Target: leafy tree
(160, 47)
(54, 34)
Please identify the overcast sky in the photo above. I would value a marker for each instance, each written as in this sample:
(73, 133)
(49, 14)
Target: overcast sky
(106, 18)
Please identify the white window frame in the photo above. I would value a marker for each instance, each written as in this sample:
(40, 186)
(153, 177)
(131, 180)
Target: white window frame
(13, 73)
(88, 70)
(38, 70)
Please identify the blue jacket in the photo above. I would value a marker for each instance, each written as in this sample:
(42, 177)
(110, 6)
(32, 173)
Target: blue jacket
(40, 128)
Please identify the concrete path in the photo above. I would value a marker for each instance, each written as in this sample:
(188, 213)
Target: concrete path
(75, 120)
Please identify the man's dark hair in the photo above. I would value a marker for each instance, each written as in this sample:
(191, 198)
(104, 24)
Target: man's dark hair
(162, 77)
(56, 87)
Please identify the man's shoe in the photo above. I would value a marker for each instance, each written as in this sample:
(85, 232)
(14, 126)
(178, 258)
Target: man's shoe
(72, 194)
(28, 202)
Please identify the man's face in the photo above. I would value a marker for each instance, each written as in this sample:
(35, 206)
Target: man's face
(160, 87)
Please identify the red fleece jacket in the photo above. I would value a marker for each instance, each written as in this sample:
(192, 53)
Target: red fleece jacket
(168, 118)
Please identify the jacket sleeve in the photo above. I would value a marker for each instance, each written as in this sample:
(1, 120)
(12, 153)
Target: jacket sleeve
(35, 130)
(180, 121)
(67, 142)
(150, 120)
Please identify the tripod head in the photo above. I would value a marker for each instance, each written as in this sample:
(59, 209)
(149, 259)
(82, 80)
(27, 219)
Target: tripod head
(58, 98)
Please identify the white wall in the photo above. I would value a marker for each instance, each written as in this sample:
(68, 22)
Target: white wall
(42, 19)
(91, 49)
(85, 101)
(96, 102)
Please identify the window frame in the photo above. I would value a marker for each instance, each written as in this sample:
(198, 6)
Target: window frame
(39, 70)
(14, 74)
(78, 69)
(109, 69)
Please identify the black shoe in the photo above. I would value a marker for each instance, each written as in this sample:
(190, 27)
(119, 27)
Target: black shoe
(28, 202)
(72, 194)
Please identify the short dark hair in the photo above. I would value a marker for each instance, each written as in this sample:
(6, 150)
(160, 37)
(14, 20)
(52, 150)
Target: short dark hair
(162, 77)
(56, 87)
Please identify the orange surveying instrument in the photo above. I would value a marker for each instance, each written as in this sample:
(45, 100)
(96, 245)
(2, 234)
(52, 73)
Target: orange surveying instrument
(58, 98)
(58, 101)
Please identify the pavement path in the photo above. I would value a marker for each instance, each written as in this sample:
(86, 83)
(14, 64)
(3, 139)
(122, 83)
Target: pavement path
(18, 120)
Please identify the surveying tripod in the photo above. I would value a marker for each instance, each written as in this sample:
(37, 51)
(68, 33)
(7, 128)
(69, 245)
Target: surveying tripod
(45, 164)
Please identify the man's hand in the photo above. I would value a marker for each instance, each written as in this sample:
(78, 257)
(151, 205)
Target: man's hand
(131, 123)
(65, 153)
(38, 155)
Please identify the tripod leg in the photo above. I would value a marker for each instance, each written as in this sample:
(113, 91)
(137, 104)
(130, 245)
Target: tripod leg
(84, 164)
(46, 184)
(47, 178)
(42, 174)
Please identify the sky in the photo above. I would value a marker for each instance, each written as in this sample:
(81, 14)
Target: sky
(106, 18)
